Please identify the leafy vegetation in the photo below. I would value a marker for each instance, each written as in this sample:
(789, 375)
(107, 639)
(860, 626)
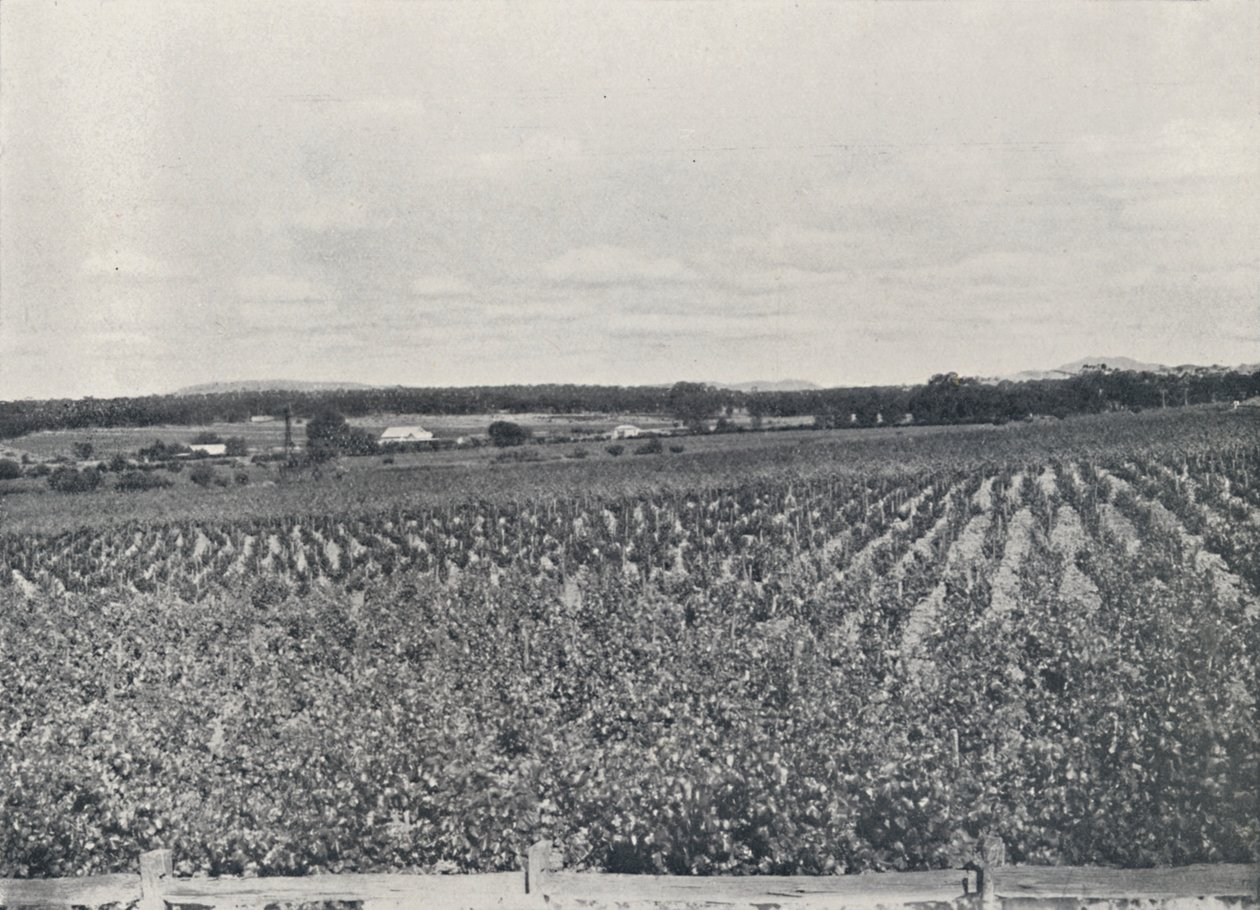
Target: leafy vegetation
(819, 662)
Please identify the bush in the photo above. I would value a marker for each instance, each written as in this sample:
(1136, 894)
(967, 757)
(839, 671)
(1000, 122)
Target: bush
(652, 447)
(236, 446)
(9, 469)
(202, 475)
(242, 478)
(206, 438)
(119, 463)
(615, 449)
(136, 481)
(41, 470)
(82, 450)
(68, 480)
(505, 433)
(579, 453)
(677, 448)
(174, 466)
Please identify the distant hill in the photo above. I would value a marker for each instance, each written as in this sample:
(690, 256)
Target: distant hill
(1076, 367)
(267, 385)
(762, 385)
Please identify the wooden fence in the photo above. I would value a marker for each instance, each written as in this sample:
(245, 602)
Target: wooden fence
(987, 887)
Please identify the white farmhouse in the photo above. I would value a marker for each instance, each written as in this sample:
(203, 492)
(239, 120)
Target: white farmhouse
(626, 431)
(209, 448)
(405, 434)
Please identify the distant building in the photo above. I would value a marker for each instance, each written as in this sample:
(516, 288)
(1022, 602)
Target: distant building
(626, 431)
(405, 434)
(209, 448)
(261, 418)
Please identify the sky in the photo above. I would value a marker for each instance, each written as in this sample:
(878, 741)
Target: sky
(621, 193)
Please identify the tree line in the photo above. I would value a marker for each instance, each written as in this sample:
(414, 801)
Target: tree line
(945, 398)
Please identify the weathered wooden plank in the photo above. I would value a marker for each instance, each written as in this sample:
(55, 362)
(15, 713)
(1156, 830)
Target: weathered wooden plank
(155, 872)
(1100, 883)
(498, 889)
(569, 889)
(88, 890)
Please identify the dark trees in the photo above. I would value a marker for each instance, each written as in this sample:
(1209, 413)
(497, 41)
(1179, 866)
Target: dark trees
(505, 433)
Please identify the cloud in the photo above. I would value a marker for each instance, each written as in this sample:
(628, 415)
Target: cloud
(614, 265)
(533, 148)
(440, 286)
(281, 289)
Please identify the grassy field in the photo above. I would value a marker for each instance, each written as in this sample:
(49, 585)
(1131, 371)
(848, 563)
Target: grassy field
(263, 437)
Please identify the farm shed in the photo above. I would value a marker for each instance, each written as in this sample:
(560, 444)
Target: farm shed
(405, 434)
(209, 448)
(626, 431)
(261, 418)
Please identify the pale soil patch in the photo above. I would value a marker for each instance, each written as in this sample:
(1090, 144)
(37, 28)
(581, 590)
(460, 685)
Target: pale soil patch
(1014, 491)
(967, 549)
(1005, 590)
(983, 497)
(1048, 483)
(24, 585)
(1068, 538)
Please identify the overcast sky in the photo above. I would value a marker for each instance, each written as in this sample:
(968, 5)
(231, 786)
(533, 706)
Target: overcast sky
(433, 194)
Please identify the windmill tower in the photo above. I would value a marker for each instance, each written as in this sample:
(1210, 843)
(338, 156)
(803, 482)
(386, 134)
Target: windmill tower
(288, 433)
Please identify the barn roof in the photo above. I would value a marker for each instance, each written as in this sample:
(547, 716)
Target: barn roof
(405, 432)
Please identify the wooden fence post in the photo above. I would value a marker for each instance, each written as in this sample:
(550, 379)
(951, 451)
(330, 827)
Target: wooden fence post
(992, 855)
(155, 869)
(539, 863)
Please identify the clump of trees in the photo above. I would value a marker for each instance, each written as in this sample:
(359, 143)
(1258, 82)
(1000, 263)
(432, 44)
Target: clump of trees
(138, 481)
(9, 469)
(328, 435)
(505, 433)
(202, 475)
(69, 480)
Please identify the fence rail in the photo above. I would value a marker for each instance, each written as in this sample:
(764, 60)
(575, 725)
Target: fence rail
(984, 887)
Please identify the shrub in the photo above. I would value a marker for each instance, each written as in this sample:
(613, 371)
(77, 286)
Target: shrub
(388, 459)
(236, 446)
(652, 447)
(222, 481)
(579, 453)
(174, 466)
(9, 469)
(82, 450)
(677, 448)
(615, 449)
(242, 478)
(41, 470)
(203, 475)
(136, 481)
(205, 437)
(119, 463)
(68, 480)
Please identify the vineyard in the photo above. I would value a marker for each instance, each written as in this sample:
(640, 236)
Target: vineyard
(819, 660)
